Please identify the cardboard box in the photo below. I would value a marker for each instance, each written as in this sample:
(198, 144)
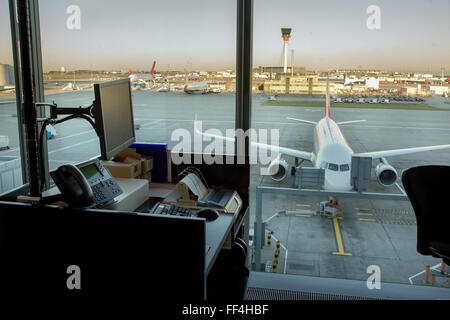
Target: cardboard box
(147, 176)
(159, 154)
(129, 152)
(131, 169)
(130, 155)
(146, 164)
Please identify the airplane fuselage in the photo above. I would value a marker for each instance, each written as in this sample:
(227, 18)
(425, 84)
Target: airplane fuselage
(332, 153)
(196, 87)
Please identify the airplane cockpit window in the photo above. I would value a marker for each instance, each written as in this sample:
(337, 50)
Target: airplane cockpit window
(344, 167)
(333, 166)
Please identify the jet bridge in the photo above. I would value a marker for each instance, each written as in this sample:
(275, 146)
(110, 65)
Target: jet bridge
(315, 177)
(309, 177)
(360, 172)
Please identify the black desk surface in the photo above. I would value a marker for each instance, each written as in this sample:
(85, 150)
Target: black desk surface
(215, 234)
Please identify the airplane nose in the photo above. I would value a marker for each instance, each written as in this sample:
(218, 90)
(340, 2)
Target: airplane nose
(337, 181)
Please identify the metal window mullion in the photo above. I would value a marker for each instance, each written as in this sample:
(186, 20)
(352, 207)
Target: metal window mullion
(36, 54)
(244, 67)
(27, 91)
(18, 87)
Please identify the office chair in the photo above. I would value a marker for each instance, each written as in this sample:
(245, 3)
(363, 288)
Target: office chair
(428, 189)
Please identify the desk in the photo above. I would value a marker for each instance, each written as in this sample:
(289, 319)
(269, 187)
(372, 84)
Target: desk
(216, 232)
(118, 251)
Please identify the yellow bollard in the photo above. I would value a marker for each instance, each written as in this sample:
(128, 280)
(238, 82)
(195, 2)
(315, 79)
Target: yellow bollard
(427, 273)
(269, 238)
(274, 266)
(278, 245)
(442, 266)
(433, 279)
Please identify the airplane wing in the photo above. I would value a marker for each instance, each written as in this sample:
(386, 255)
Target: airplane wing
(397, 152)
(352, 121)
(287, 151)
(281, 150)
(301, 120)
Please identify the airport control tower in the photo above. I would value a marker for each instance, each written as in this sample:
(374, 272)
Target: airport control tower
(286, 35)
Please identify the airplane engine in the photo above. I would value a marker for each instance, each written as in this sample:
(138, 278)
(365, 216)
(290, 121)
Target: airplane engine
(386, 174)
(278, 169)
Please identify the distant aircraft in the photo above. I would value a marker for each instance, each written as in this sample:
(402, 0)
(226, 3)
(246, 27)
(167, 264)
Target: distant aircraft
(332, 153)
(195, 87)
(71, 86)
(143, 78)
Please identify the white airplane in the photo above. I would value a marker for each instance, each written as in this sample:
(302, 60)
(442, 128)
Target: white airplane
(196, 87)
(332, 153)
(142, 79)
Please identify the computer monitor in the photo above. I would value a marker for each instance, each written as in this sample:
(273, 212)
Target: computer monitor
(113, 112)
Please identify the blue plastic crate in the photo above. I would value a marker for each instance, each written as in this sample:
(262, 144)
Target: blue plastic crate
(159, 154)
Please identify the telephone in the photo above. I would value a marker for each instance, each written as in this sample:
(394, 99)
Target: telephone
(88, 184)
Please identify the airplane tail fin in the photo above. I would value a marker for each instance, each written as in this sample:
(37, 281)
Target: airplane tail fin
(153, 71)
(327, 101)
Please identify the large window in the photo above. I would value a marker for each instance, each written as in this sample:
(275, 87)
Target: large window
(10, 155)
(180, 57)
(381, 66)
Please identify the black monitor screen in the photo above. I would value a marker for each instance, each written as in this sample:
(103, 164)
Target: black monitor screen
(114, 116)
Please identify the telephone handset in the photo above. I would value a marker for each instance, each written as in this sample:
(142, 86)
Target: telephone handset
(86, 185)
(73, 186)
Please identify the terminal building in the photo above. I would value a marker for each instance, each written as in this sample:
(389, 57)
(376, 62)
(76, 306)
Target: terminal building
(275, 70)
(6, 75)
(304, 85)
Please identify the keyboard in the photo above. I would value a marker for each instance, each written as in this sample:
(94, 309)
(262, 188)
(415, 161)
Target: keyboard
(170, 209)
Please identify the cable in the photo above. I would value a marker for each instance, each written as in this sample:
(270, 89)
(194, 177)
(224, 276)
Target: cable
(41, 149)
(41, 139)
(195, 171)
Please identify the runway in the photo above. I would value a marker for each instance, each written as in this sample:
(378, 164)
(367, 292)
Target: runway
(371, 232)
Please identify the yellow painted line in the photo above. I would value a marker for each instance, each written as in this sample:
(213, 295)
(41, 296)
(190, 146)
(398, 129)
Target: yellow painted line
(303, 205)
(303, 215)
(362, 209)
(302, 210)
(367, 219)
(364, 214)
(340, 245)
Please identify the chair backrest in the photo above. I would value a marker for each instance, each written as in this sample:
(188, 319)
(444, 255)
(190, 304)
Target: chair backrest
(428, 189)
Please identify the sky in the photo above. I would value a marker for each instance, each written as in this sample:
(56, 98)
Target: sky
(201, 34)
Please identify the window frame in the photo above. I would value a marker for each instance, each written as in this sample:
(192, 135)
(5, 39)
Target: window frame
(244, 42)
(37, 80)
